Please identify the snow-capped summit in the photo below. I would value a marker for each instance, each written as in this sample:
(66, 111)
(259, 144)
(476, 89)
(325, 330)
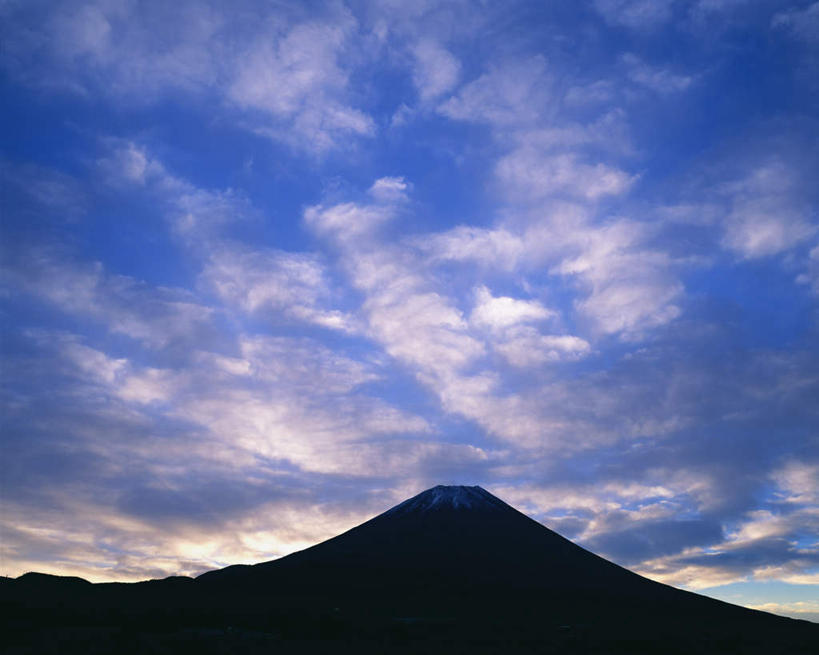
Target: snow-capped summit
(451, 497)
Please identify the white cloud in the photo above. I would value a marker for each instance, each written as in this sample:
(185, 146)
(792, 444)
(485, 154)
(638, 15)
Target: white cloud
(297, 78)
(127, 163)
(85, 32)
(641, 15)
(525, 346)
(115, 377)
(705, 7)
(811, 275)
(155, 316)
(389, 189)
(497, 312)
(114, 48)
(807, 610)
(734, 558)
(659, 80)
(631, 289)
(413, 323)
(496, 248)
(421, 329)
(626, 287)
(529, 173)
(288, 78)
(591, 93)
(436, 70)
(321, 431)
(506, 96)
(798, 482)
(303, 365)
(766, 216)
(760, 227)
(607, 133)
(93, 363)
(195, 215)
(427, 333)
(668, 571)
(631, 307)
(346, 221)
(266, 279)
(287, 399)
(802, 23)
(293, 284)
(61, 539)
(149, 385)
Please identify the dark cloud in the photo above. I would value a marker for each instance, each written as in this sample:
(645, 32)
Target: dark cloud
(631, 544)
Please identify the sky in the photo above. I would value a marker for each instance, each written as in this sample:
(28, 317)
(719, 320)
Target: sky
(270, 268)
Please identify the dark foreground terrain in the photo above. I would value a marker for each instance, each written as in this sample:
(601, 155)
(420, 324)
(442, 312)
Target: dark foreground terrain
(453, 570)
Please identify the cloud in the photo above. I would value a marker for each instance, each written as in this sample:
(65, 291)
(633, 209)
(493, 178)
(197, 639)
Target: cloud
(532, 174)
(497, 312)
(631, 289)
(413, 323)
(762, 558)
(525, 346)
(296, 78)
(660, 80)
(798, 482)
(639, 15)
(347, 221)
(436, 70)
(168, 443)
(765, 216)
(811, 276)
(802, 23)
(506, 96)
(282, 74)
(295, 285)
(428, 334)
(496, 248)
(157, 317)
(114, 48)
(128, 163)
(42, 195)
(389, 189)
(520, 344)
(291, 284)
(627, 287)
(807, 610)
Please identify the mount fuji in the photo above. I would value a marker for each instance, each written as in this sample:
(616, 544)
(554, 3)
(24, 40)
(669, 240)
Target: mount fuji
(450, 567)
(446, 541)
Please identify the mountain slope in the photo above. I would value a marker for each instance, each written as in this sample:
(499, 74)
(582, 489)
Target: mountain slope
(452, 565)
(445, 535)
(463, 547)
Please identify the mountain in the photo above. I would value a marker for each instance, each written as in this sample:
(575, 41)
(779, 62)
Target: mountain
(451, 566)
(454, 540)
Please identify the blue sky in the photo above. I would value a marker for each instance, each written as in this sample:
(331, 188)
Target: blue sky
(271, 268)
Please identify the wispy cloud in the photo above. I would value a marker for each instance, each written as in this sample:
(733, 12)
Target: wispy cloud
(284, 71)
(636, 14)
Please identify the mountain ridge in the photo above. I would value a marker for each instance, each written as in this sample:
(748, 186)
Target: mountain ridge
(457, 563)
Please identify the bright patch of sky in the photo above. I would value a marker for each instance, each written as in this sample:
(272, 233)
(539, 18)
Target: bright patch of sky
(269, 269)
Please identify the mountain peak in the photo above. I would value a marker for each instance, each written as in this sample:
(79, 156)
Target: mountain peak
(449, 497)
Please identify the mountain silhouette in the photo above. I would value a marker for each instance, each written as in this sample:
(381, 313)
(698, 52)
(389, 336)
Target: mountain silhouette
(448, 539)
(452, 566)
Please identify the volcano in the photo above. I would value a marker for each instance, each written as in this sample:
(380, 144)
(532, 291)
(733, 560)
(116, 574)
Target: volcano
(449, 541)
(452, 566)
